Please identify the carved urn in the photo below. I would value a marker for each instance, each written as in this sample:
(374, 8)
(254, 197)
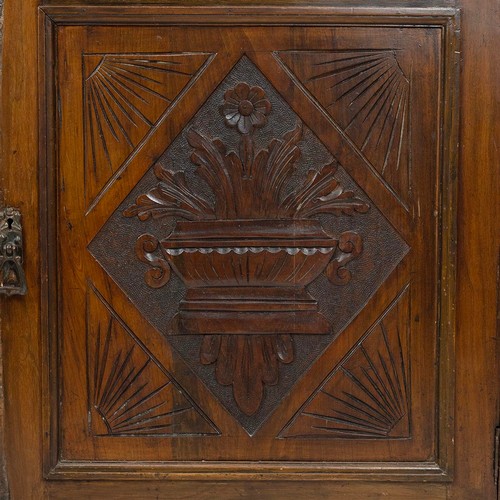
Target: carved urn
(248, 276)
(247, 255)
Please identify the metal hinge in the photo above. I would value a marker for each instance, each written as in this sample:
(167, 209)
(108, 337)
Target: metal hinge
(12, 280)
(496, 455)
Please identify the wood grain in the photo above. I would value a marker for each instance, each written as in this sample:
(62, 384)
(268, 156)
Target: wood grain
(479, 199)
(476, 390)
(245, 223)
(367, 395)
(229, 490)
(3, 470)
(20, 331)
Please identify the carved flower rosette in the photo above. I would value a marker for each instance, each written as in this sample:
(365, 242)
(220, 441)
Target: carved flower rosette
(247, 256)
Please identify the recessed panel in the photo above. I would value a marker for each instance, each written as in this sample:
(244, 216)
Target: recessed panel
(248, 245)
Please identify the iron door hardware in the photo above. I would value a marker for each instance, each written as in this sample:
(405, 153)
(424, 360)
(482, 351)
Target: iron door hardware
(12, 278)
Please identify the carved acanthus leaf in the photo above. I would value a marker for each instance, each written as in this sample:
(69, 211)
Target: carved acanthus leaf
(171, 197)
(213, 167)
(248, 186)
(274, 167)
(322, 193)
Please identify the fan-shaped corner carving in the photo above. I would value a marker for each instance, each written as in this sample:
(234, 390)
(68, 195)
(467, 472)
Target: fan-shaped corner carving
(243, 274)
(124, 97)
(367, 93)
(131, 394)
(367, 395)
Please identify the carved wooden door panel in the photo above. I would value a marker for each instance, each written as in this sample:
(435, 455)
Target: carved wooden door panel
(246, 221)
(248, 260)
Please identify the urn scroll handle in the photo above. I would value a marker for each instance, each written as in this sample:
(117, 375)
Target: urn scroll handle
(350, 247)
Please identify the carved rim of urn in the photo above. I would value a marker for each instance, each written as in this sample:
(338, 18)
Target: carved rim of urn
(246, 253)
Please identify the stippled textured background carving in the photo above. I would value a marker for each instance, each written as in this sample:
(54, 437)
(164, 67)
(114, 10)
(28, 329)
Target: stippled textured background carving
(113, 247)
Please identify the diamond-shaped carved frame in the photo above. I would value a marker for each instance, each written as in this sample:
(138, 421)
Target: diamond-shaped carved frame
(258, 325)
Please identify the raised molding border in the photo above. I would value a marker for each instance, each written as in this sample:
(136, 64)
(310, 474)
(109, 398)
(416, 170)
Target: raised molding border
(448, 21)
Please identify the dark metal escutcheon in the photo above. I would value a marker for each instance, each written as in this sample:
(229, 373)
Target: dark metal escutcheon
(12, 279)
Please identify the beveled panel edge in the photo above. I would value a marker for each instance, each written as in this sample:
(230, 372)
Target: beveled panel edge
(262, 471)
(448, 20)
(447, 223)
(272, 15)
(48, 237)
(343, 3)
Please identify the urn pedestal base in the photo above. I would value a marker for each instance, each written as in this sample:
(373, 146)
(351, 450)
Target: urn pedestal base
(248, 310)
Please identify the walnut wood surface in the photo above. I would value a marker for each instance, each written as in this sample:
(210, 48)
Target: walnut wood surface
(25, 353)
(295, 176)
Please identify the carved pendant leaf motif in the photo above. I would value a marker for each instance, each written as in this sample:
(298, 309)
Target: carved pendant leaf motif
(247, 256)
(247, 362)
